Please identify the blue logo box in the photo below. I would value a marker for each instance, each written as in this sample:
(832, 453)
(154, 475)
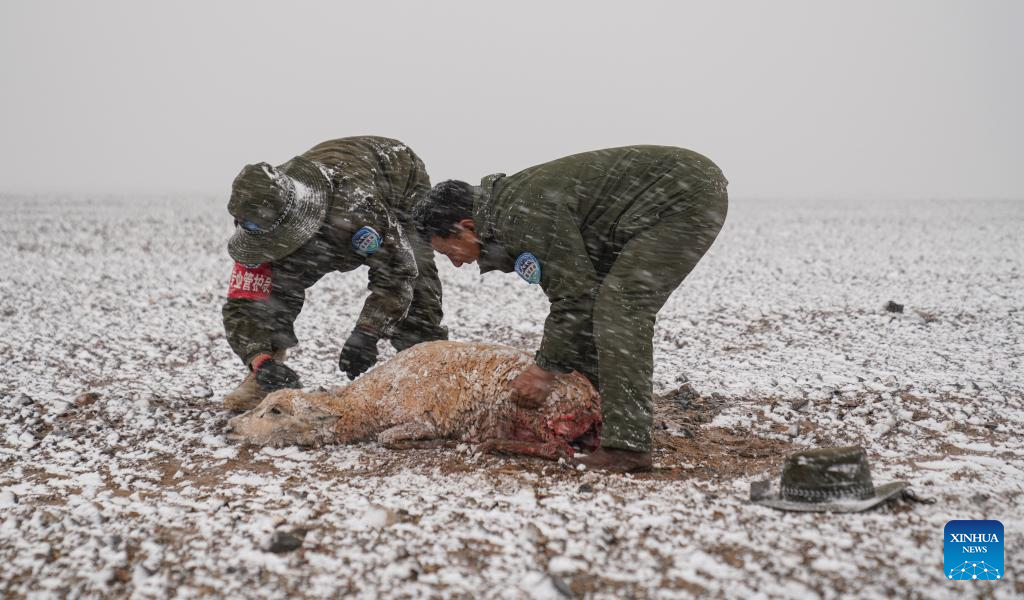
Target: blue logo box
(973, 550)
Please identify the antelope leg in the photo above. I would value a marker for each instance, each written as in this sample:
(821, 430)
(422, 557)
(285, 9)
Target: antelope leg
(546, 450)
(409, 436)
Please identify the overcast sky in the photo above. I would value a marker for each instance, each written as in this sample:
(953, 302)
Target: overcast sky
(794, 99)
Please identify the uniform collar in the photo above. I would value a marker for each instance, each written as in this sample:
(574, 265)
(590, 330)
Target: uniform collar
(493, 256)
(483, 205)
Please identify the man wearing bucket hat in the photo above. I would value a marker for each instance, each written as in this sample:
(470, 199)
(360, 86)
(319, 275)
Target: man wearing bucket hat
(340, 205)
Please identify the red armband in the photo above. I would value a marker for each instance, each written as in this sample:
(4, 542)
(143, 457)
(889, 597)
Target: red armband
(258, 361)
(250, 281)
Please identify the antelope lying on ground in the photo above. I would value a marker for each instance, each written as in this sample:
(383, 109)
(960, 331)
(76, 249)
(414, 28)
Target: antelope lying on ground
(432, 393)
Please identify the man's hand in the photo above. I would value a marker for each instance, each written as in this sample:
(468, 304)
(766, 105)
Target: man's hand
(531, 388)
(359, 353)
(273, 375)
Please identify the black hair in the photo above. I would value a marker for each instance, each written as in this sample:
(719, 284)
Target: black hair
(441, 209)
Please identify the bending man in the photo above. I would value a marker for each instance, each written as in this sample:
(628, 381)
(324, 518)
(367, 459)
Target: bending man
(340, 205)
(608, 235)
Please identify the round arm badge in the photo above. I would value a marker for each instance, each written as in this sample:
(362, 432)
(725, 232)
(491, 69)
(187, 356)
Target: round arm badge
(366, 241)
(528, 267)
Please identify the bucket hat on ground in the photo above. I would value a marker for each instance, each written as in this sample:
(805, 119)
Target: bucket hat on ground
(825, 479)
(276, 209)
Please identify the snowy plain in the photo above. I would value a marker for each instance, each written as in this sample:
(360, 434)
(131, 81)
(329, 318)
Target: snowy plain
(779, 337)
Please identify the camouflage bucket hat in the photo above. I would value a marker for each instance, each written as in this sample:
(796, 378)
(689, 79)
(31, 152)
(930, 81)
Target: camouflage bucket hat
(276, 209)
(825, 479)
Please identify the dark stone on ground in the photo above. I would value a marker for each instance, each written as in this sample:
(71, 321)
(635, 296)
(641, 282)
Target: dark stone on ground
(684, 396)
(893, 307)
(286, 541)
(586, 488)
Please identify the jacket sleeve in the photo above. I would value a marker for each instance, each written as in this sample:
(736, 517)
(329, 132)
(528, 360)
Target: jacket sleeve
(568, 278)
(262, 305)
(392, 273)
(423, 322)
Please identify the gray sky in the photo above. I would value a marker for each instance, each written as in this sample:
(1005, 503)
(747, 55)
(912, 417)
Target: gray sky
(795, 99)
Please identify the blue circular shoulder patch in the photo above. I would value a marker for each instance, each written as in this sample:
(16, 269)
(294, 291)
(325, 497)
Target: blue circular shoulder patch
(528, 267)
(366, 241)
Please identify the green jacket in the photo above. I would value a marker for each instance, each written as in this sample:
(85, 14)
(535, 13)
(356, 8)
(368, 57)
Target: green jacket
(375, 181)
(572, 216)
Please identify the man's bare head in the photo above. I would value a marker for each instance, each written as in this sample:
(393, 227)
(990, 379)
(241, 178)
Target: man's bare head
(445, 217)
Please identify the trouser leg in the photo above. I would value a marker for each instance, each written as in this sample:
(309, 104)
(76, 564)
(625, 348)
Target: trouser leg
(586, 355)
(625, 368)
(649, 267)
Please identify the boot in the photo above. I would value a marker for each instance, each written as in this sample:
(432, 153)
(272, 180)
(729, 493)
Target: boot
(249, 394)
(616, 460)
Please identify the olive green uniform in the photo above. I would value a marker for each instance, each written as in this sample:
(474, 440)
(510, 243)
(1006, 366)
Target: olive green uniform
(374, 183)
(613, 233)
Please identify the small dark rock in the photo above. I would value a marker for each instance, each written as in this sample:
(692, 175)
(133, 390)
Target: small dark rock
(87, 398)
(979, 498)
(799, 403)
(893, 307)
(684, 396)
(586, 488)
(286, 541)
(24, 399)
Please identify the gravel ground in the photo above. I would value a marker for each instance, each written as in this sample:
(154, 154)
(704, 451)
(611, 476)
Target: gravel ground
(116, 478)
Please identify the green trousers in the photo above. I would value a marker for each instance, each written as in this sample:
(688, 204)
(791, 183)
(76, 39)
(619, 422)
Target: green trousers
(618, 354)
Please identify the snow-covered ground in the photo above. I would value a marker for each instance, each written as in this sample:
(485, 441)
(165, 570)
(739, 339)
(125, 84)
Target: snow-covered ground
(780, 335)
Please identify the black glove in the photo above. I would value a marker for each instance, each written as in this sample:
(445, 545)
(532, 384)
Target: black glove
(275, 376)
(359, 353)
